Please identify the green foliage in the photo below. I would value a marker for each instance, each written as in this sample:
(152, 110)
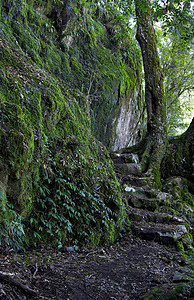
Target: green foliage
(12, 234)
(73, 203)
(177, 63)
(176, 16)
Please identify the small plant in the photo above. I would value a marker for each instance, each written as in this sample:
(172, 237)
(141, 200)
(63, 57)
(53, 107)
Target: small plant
(12, 234)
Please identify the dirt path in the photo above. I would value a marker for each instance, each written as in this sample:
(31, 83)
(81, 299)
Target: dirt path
(124, 271)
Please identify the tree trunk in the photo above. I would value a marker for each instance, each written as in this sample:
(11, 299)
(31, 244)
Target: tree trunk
(154, 91)
(153, 147)
(158, 154)
(156, 137)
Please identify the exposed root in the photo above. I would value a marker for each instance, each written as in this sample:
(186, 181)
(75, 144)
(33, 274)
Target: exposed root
(7, 278)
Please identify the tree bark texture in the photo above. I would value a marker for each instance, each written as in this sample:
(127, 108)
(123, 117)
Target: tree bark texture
(154, 91)
(158, 154)
(156, 137)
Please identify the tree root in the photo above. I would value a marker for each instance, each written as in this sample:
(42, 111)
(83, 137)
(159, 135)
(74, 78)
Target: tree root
(151, 151)
(8, 279)
(137, 148)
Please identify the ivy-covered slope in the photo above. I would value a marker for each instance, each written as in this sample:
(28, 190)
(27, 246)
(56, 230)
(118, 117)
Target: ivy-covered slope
(57, 183)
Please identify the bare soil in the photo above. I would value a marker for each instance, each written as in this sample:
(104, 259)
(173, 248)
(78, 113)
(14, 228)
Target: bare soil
(125, 270)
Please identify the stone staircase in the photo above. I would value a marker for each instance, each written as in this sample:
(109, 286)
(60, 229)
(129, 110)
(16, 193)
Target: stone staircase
(154, 214)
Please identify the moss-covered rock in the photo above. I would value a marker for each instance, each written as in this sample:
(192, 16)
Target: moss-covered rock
(176, 291)
(54, 173)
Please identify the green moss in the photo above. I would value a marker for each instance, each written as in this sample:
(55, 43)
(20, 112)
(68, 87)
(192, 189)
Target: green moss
(180, 246)
(57, 175)
(176, 291)
(111, 233)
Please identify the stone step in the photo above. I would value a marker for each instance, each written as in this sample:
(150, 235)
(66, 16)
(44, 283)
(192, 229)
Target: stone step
(123, 158)
(154, 215)
(128, 168)
(144, 197)
(136, 214)
(126, 163)
(132, 180)
(162, 233)
(145, 203)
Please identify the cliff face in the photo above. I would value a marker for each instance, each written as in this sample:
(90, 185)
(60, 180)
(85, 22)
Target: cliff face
(105, 65)
(62, 83)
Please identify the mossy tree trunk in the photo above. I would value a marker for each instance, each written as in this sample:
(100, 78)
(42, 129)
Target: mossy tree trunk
(153, 147)
(159, 155)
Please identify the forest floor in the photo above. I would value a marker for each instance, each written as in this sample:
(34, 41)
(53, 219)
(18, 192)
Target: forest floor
(126, 270)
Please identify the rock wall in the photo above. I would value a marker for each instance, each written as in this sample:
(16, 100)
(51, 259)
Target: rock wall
(63, 79)
(107, 70)
(127, 125)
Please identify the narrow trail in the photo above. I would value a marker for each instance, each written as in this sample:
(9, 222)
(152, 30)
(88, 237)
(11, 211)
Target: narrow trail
(144, 258)
(124, 271)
